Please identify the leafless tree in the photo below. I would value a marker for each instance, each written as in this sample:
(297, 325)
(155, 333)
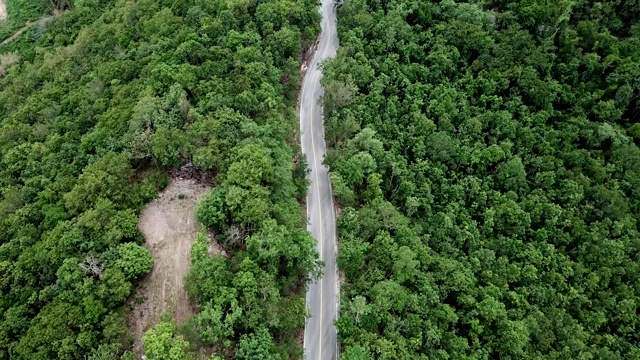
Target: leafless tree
(57, 6)
(236, 235)
(92, 266)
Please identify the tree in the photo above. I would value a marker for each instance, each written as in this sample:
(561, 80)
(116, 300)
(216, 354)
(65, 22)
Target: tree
(168, 145)
(113, 288)
(106, 179)
(273, 243)
(338, 94)
(258, 345)
(512, 175)
(133, 260)
(356, 352)
(217, 322)
(105, 352)
(359, 308)
(162, 342)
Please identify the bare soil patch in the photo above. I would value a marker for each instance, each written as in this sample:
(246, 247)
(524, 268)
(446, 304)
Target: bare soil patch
(306, 57)
(3, 10)
(170, 227)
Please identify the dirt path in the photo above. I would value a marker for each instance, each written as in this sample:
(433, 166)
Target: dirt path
(170, 227)
(27, 25)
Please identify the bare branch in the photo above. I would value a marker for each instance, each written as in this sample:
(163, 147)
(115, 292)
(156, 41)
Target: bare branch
(92, 266)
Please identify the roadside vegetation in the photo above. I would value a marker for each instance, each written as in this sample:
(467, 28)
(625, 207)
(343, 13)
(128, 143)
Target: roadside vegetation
(93, 112)
(485, 157)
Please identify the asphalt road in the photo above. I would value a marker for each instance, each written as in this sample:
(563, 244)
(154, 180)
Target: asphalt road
(320, 341)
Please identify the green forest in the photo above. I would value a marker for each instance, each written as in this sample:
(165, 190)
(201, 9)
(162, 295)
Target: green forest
(485, 158)
(96, 106)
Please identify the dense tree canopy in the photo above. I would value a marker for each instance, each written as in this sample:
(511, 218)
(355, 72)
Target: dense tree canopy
(485, 156)
(96, 108)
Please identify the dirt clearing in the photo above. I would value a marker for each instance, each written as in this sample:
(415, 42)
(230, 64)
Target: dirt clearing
(3, 10)
(170, 227)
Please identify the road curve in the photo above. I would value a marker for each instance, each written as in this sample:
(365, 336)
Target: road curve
(320, 342)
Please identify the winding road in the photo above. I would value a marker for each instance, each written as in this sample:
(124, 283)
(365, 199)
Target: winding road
(320, 342)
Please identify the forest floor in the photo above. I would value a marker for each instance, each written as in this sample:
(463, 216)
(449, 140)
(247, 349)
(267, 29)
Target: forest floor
(3, 10)
(169, 226)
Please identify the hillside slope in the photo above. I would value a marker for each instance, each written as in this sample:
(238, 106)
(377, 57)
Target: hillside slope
(100, 105)
(485, 154)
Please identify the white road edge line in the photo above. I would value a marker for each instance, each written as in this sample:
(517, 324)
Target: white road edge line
(321, 240)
